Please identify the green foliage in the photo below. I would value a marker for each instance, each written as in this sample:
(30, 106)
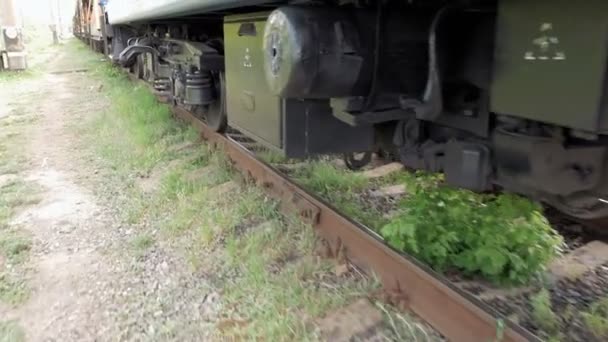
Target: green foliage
(10, 331)
(142, 242)
(325, 178)
(543, 314)
(596, 319)
(13, 289)
(13, 245)
(505, 238)
(342, 188)
(271, 156)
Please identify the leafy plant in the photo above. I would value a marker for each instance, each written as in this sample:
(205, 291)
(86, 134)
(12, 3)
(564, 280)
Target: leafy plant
(543, 314)
(503, 237)
(596, 319)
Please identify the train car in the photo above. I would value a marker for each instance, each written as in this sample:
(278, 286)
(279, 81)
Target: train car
(496, 94)
(12, 50)
(89, 24)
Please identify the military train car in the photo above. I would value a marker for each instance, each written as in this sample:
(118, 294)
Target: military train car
(496, 94)
(12, 50)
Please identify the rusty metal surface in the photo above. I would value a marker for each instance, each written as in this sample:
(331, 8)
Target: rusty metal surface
(454, 314)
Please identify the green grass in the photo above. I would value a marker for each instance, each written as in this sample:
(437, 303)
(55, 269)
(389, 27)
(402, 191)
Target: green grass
(596, 318)
(271, 156)
(142, 242)
(279, 302)
(14, 289)
(341, 188)
(10, 331)
(14, 245)
(15, 194)
(543, 314)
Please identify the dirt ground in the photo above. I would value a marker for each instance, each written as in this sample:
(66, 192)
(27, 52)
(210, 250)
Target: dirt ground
(80, 289)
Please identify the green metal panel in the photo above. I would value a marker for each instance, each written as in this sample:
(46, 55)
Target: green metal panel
(251, 107)
(550, 61)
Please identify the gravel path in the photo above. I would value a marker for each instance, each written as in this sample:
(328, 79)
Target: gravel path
(82, 286)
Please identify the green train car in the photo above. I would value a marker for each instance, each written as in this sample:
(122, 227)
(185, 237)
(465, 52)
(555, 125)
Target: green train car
(496, 94)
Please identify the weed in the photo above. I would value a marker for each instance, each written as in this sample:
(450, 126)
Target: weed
(325, 178)
(271, 156)
(10, 331)
(142, 242)
(341, 188)
(13, 288)
(596, 318)
(279, 303)
(401, 326)
(505, 238)
(13, 245)
(543, 314)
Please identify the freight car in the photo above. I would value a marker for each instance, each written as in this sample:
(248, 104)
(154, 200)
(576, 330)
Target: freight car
(89, 24)
(496, 94)
(12, 50)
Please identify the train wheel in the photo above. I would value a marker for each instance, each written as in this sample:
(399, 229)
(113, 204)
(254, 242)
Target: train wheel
(356, 162)
(216, 116)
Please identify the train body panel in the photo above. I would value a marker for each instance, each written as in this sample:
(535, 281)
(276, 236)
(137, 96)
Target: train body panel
(541, 63)
(496, 94)
(125, 12)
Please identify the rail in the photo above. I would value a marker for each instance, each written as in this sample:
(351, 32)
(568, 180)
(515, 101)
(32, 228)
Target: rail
(452, 312)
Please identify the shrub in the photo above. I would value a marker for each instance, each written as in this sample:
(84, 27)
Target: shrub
(503, 237)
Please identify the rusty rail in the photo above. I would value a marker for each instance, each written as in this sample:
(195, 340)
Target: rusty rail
(456, 315)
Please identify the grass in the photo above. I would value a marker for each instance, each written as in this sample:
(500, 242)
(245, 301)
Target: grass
(342, 188)
(15, 194)
(543, 314)
(271, 156)
(280, 302)
(596, 318)
(14, 245)
(10, 331)
(142, 242)
(14, 289)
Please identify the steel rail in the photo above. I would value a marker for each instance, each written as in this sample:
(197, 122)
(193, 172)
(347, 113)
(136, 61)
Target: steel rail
(455, 314)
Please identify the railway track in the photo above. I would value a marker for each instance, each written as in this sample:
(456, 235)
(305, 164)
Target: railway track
(460, 310)
(454, 313)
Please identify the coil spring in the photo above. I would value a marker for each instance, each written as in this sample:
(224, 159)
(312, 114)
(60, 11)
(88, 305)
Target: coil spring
(199, 88)
(162, 85)
(198, 79)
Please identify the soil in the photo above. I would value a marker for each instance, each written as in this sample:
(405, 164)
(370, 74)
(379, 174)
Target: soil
(82, 286)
